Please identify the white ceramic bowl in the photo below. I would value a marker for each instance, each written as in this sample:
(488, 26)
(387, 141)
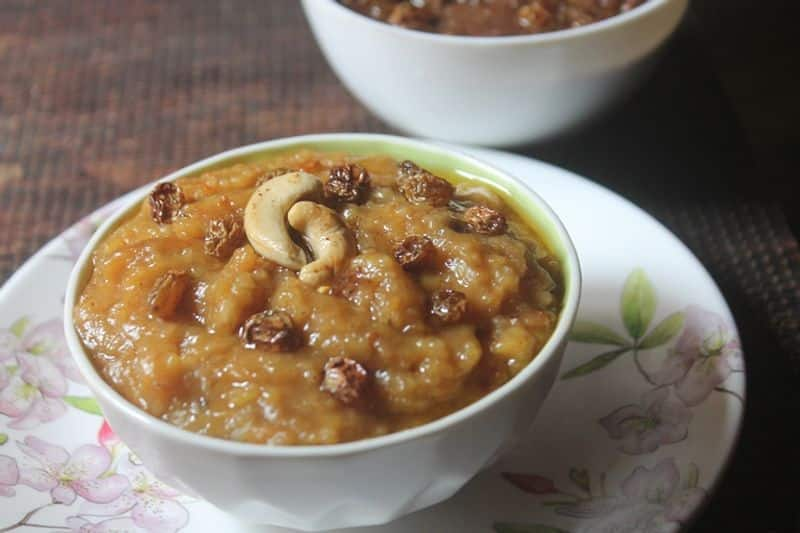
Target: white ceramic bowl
(359, 483)
(495, 91)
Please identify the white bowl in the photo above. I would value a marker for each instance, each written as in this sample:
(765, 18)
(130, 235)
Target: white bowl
(496, 91)
(358, 483)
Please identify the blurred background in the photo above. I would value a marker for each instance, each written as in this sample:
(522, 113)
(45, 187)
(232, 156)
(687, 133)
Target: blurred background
(98, 97)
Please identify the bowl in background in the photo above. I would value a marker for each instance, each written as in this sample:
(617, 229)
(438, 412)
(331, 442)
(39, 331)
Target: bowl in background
(334, 486)
(494, 91)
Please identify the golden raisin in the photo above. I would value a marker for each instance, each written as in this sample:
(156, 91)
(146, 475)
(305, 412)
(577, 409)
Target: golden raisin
(166, 201)
(167, 293)
(224, 235)
(408, 168)
(271, 330)
(420, 186)
(347, 183)
(414, 252)
(448, 306)
(344, 379)
(485, 220)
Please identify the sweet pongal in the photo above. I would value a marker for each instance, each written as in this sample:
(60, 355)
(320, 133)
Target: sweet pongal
(316, 298)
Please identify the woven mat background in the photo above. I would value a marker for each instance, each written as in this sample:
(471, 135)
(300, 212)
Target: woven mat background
(98, 97)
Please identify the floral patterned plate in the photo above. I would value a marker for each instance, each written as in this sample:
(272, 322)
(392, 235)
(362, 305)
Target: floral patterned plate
(634, 435)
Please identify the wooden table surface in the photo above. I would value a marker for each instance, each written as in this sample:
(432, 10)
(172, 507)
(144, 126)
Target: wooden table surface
(98, 97)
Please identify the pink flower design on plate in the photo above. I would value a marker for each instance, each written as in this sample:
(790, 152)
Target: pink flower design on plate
(660, 485)
(85, 473)
(31, 392)
(660, 418)
(9, 476)
(106, 436)
(651, 501)
(8, 344)
(705, 355)
(34, 367)
(46, 340)
(153, 506)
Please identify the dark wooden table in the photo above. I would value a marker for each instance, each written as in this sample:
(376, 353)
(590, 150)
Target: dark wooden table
(98, 97)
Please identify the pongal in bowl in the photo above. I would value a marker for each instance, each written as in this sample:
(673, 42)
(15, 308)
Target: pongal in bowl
(317, 298)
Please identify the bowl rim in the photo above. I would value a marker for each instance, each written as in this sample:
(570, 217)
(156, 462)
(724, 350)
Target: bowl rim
(500, 40)
(99, 387)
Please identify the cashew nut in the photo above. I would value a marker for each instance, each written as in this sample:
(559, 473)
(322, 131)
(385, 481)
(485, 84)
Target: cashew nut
(265, 217)
(327, 237)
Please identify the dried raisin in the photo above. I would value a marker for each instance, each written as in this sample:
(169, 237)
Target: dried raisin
(448, 306)
(167, 293)
(485, 220)
(271, 330)
(224, 235)
(347, 183)
(344, 379)
(166, 201)
(414, 252)
(420, 186)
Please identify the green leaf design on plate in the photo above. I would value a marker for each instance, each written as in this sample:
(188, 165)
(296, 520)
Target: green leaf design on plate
(591, 332)
(3, 438)
(558, 503)
(506, 527)
(18, 328)
(84, 403)
(597, 363)
(664, 331)
(692, 476)
(638, 303)
(39, 348)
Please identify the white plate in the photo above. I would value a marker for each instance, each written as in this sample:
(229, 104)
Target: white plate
(631, 445)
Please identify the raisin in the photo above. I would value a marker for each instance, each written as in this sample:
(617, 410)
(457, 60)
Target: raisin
(167, 293)
(347, 183)
(485, 220)
(448, 306)
(408, 168)
(166, 201)
(420, 186)
(344, 379)
(414, 252)
(224, 235)
(272, 173)
(271, 330)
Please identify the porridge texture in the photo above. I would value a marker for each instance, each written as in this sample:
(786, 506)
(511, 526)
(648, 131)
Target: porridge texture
(490, 17)
(316, 298)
